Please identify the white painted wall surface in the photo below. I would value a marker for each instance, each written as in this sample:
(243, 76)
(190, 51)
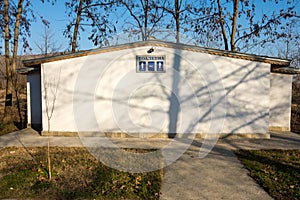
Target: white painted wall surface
(103, 93)
(281, 98)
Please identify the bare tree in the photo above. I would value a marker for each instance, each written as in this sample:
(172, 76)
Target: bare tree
(237, 20)
(1, 22)
(76, 26)
(48, 43)
(222, 24)
(17, 17)
(176, 15)
(233, 26)
(50, 86)
(93, 15)
(288, 47)
(11, 64)
(145, 15)
(178, 11)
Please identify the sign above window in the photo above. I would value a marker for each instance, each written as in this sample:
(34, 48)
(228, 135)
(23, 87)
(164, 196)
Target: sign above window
(151, 63)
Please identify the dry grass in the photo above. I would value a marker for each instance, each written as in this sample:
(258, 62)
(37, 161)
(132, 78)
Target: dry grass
(277, 171)
(76, 175)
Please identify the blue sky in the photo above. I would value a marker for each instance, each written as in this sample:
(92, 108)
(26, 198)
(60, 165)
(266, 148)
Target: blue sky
(55, 14)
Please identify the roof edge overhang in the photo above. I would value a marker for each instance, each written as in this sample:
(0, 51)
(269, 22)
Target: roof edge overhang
(158, 43)
(285, 70)
(26, 70)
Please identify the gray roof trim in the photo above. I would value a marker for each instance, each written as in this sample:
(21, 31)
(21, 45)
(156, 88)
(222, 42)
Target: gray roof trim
(158, 43)
(286, 70)
(25, 70)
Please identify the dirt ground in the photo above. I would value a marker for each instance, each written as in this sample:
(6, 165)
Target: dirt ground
(15, 124)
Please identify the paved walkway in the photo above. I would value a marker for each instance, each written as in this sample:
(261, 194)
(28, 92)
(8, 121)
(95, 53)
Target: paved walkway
(30, 138)
(219, 175)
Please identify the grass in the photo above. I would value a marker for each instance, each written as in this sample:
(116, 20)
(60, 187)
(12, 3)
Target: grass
(76, 175)
(277, 171)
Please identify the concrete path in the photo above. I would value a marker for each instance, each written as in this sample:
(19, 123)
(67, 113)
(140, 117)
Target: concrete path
(278, 140)
(30, 138)
(219, 175)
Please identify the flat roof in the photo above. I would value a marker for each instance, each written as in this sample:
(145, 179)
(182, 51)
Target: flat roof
(159, 43)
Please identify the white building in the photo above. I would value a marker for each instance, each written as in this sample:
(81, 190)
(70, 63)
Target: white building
(155, 88)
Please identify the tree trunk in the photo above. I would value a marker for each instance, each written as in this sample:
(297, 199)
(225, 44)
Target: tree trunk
(234, 19)
(222, 25)
(16, 36)
(14, 57)
(11, 79)
(75, 33)
(48, 153)
(146, 34)
(177, 19)
(6, 30)
(8, 89)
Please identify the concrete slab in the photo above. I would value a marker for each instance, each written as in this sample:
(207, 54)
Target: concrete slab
(220, 175)
(30, 138)
(278, 140)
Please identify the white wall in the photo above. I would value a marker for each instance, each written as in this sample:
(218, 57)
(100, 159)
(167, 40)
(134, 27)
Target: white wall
(280, 104)
(104, 93)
